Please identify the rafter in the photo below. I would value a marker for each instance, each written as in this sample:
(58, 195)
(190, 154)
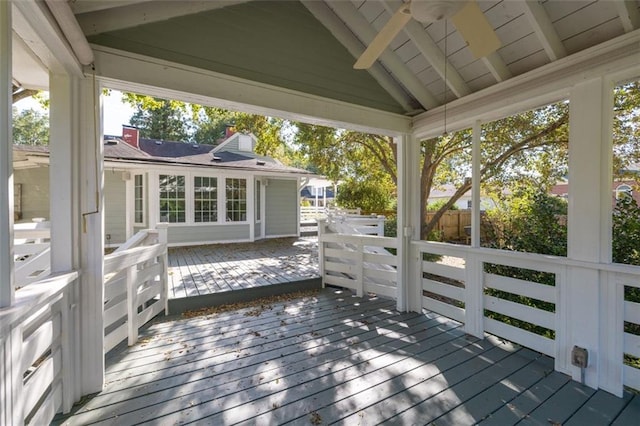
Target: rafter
(365, 32)
(430, 51)
(497, 67)
(543, 27)
(127, 16)
(344, 35)
(629, 14)
(84, 6)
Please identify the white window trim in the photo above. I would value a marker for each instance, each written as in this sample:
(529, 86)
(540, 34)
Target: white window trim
(145, 197)
(154, 200)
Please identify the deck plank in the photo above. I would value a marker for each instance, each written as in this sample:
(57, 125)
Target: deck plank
(602, 409)
(335, 358)
(558, 409)
(630, 414)
(203, 270)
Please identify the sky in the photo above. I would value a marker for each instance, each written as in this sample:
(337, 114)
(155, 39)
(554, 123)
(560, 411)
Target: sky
(115, 112)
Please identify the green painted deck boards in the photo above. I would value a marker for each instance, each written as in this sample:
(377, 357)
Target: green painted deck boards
(336, 358)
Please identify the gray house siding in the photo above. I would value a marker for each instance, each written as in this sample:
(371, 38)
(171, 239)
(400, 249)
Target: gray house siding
(205, 234)
(115, 203)
(34, 187)
(281, 208)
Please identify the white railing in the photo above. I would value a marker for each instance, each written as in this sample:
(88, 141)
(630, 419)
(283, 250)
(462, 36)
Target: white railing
(37, 365)
(32, 252)
(136, 288)
(346, 223)
(310, 213)
(471, 285)
(631, 341)
(359, 262)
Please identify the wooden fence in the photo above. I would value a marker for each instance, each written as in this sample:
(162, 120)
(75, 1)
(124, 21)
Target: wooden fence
(452, 224)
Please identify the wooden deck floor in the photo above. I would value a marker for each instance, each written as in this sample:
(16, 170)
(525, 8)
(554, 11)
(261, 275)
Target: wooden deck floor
(210, 269)
(337, 359)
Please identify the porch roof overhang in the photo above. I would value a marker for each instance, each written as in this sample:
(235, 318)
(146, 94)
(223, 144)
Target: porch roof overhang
(294, 58)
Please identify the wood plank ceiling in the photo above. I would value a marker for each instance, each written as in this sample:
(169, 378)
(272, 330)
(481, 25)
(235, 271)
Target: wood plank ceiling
(310, 45)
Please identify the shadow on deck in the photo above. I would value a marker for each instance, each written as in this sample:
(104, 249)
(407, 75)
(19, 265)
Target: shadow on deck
(336, 358)
(211, 275)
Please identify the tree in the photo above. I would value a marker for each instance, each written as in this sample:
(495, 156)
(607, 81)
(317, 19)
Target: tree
(19, 93)
(158, 118)
(370, 158)
(30, 127)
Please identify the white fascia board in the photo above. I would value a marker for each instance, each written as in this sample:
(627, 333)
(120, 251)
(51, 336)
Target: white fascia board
(35, 25)
(549, 83)
(28, 69)
(141, 74)
(185, 168)
(138, 13)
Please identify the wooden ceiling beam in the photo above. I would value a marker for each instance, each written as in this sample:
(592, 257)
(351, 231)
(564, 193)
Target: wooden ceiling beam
(543, 27)
(137, 13)
(347, 12)
(497, 67)
(345, 36)
(430, 51)
(629, 14)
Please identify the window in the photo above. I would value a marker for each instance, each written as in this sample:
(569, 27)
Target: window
(172, 198)
(138, 199)
(236, 197)
(205, 199)
(258, 189)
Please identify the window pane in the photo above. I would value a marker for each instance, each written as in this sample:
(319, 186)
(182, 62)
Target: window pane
(236, 200)
(172, 198)
(258, 189)
(205, 195)
(138, 198)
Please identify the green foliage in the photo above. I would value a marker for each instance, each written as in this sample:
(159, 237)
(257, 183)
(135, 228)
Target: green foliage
(30, 127)
(626, 232)
(533, 222)
(158, 118)
(366, 195)
(437, 205)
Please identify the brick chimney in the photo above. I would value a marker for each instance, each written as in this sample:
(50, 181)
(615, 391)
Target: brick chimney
(229, 131)
(131, 135)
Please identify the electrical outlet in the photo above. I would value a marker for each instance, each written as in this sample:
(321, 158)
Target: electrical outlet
(579, 357)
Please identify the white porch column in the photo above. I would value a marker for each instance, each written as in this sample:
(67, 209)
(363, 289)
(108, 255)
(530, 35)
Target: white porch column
(6, 160)
(77, 213)
(409, 295)
(589, 239)
(474, 308)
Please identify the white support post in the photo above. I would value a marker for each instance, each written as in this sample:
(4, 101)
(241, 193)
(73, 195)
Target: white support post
(322, 223)
(359, 269)
(409, 295)
(6, 160)
(64, 189)
(162, 239)
(88, 124)
(381, 220)
(589, 229)
(132, 304)
(474, 309)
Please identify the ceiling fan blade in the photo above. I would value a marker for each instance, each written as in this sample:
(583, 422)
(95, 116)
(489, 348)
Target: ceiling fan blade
(384, 38)
(476, 30)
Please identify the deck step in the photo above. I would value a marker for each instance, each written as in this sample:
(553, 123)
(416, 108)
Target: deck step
(183, 304)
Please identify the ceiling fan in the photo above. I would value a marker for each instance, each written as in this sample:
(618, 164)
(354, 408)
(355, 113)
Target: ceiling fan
(466, 16)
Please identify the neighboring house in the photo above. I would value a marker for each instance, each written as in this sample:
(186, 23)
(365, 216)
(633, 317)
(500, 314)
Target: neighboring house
(207, 194)
(619, 188)
(318, 192)
(445, 192)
